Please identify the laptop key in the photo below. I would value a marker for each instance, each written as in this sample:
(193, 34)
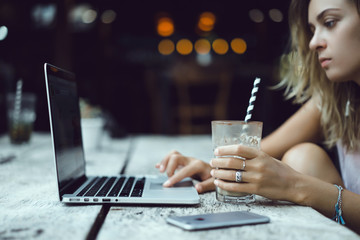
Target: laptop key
(96, 187)
(82, 192)
(127, 188)
(116, 189)
(105, 189)
(139, 188)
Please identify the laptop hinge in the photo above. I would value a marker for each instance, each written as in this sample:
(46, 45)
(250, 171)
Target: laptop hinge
(73, 185)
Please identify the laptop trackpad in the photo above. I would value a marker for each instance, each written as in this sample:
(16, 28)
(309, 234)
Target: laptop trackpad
(182, 184)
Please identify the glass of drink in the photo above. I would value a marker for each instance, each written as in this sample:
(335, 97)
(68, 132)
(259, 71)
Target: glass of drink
(233, 133)
(21, 116)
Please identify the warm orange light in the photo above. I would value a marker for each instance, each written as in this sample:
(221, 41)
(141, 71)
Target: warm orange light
(202, 46)
(184, 46)
(206, 21)
(220, 46)
(166, 47)
(165, 27)
(238, 45)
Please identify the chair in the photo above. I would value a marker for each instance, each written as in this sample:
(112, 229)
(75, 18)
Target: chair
(203, 94)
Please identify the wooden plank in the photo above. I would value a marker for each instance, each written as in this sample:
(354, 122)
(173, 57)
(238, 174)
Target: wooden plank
(288, 221)
(29, 204)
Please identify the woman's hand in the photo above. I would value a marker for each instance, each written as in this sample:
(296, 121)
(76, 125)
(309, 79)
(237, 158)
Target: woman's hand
(263, 175)
(187, 167)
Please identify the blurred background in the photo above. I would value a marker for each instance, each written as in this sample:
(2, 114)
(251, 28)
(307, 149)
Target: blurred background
(152, 67)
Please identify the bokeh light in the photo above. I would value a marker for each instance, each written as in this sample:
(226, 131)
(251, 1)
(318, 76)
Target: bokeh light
(276, 15)
(220, 46)
(256, 15)
(202, 46)
(238, 45)
(89, 16)
(3, 32)
(43, 15)
(206, 21)
(184, 46)
(108, 16)
(82, 17)
(166, 47)
(165, 26)
(204, 59)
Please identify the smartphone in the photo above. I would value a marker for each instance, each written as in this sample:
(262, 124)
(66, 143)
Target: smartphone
(217, 220)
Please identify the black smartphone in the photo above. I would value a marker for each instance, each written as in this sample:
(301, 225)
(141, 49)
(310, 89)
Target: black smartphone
(217, 220)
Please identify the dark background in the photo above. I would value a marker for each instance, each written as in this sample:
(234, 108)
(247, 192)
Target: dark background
(111, 61)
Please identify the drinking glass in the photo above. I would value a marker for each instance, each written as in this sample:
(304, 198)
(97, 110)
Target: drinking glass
(232, 133)
(21, 116)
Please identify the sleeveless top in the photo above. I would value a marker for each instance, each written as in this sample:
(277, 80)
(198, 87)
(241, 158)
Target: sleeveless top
(350, 168)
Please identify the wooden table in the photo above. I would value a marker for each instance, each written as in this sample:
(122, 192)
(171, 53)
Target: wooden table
(30, 209)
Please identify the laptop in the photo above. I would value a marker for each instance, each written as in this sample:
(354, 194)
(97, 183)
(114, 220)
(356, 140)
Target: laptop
(74, 186)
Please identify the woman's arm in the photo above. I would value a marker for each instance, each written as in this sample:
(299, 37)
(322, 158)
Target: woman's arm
(303, 126)
(322, 196)
(271, 178)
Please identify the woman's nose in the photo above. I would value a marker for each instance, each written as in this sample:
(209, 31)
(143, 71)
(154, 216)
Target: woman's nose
(317, 42)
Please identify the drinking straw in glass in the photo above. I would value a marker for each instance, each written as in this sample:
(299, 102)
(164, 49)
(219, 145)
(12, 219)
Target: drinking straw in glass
(17, 103)
(252, 99)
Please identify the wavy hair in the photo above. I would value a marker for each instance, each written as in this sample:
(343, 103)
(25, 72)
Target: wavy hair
(303, 78)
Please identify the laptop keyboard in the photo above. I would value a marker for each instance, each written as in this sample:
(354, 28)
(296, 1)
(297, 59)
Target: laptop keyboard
(114, 187)
(127, 188)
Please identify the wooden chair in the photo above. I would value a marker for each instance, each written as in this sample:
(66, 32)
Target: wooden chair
(193, 83)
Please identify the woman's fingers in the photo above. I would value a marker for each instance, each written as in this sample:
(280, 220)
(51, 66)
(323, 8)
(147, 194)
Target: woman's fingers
(205, 186)
(235, 187)
(191, 167)
(229, 163)
(238, 150)
(264, 176)
(175, 161)
(187, 171)
(238, 157)
(163, 164)
(230, 175)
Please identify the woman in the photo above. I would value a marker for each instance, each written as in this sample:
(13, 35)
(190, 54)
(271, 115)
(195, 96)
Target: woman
(323, 72)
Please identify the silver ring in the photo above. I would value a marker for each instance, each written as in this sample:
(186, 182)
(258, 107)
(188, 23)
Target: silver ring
(238, 176)
(243, 166)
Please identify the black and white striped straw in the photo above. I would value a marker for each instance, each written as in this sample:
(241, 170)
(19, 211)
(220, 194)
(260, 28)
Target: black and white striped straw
(17, 101)
(252, 99)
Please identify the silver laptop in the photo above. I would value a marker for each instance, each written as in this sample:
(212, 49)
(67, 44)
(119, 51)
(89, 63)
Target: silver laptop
(73, 184)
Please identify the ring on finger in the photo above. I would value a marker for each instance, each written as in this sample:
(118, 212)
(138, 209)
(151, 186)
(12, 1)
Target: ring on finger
(243, 165)
(238, 176)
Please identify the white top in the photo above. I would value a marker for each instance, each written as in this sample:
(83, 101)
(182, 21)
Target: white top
(350, 168)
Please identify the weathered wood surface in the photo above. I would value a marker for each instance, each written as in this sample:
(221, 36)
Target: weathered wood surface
(288, 221)
(29, 205)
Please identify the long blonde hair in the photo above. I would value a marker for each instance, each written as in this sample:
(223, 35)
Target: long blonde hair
(303, 78)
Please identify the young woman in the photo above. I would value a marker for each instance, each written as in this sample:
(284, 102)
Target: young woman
(323, 73)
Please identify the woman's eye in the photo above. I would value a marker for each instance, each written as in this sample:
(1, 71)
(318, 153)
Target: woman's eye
(329, 23)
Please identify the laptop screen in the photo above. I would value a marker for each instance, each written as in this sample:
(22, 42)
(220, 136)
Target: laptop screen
(65, 125)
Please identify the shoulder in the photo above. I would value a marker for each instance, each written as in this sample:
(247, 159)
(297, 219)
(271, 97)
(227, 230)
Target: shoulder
(312, 107)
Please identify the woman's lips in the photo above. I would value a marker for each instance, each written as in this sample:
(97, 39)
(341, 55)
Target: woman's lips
(324, 62)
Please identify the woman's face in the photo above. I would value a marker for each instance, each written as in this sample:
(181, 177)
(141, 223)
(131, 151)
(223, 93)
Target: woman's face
(336, 40)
